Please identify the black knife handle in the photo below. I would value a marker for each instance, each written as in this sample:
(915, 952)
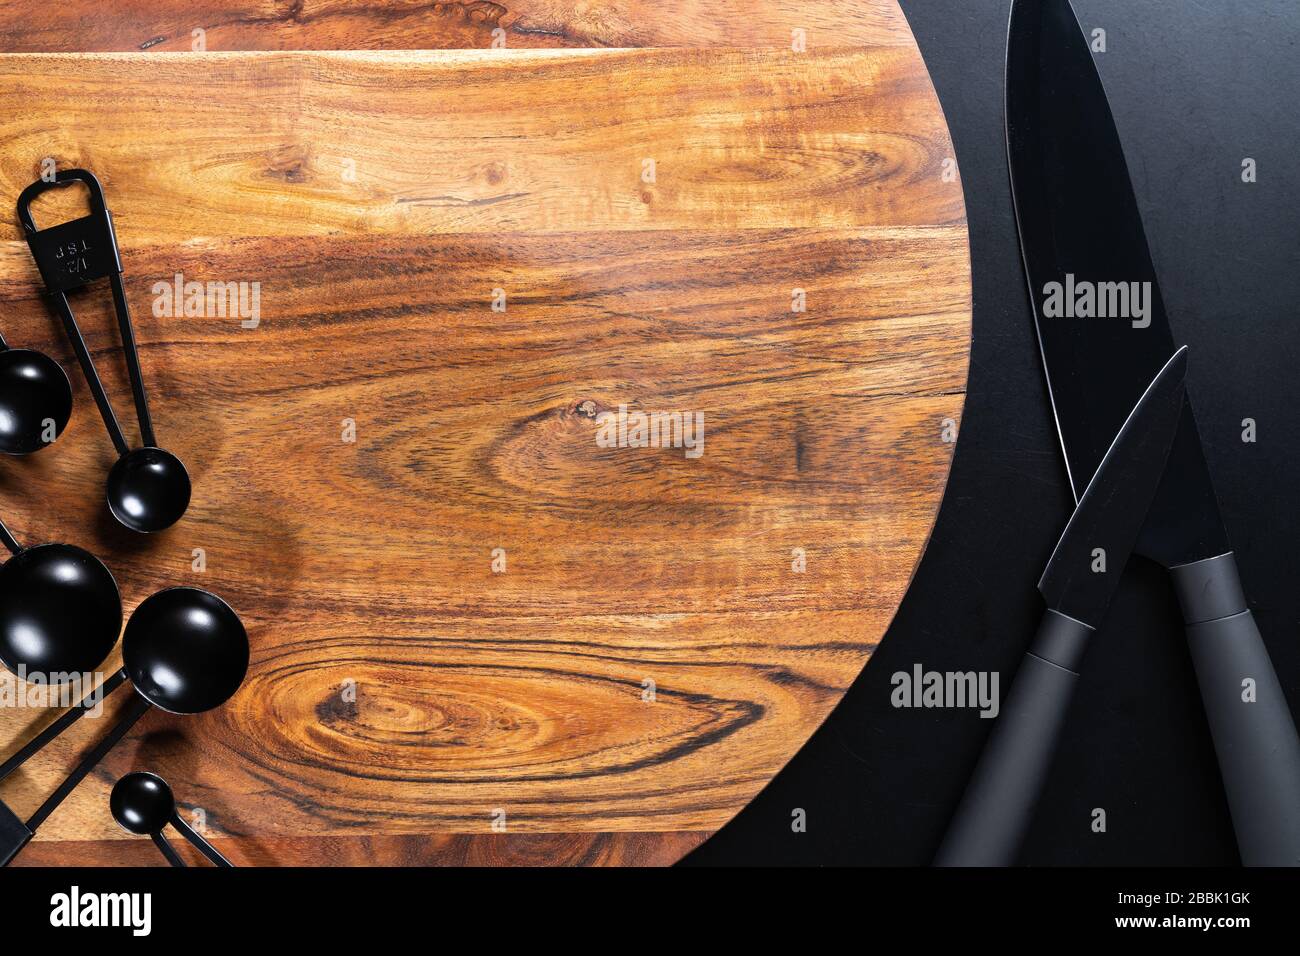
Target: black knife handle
(995, 811)
(1254, 739)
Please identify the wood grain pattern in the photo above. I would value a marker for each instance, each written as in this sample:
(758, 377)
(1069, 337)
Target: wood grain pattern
(368, 563)
(437, 849)
(168, 25)
(434, 144)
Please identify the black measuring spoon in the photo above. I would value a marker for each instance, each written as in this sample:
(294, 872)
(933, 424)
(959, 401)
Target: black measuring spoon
(35, 400)
(185, 651)
(142, 803)
(148, 487)
(60, 610)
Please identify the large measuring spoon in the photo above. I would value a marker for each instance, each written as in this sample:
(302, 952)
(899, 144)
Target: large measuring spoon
(185, 651)
(35, 400)
(148, 487)
(60, 610)
(142, 803)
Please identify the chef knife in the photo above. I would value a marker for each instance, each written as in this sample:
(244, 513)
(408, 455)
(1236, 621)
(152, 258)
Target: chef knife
(1103, 331)
(1077, 586)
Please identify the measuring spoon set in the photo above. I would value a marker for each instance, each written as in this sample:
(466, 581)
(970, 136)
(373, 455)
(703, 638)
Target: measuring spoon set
(185, 651)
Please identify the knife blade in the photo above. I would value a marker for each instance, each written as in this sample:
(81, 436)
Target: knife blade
(1102, 331)
(1077, 585)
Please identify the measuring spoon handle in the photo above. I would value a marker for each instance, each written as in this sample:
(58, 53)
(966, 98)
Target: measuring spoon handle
(115, 434)
(134, 711)
(132, 353)
(206, 848)
(66, 720)
(166, 850)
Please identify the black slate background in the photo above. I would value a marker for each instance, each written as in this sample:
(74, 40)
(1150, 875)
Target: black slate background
(1196, 87)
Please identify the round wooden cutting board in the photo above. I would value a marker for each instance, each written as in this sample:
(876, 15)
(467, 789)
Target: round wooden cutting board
(487, 623)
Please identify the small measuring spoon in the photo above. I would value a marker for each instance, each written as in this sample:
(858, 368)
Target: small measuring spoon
(142, 803)
(148, 487)
(185, 651)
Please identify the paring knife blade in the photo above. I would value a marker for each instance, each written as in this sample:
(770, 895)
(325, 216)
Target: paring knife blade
(1084, 570)
(1078, 583)
(1103, 331)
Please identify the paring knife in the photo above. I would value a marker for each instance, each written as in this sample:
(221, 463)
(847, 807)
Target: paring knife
(1078, 583)
(1103, 331)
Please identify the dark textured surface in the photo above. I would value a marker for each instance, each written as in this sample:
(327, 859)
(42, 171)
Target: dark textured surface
(1196, 87)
